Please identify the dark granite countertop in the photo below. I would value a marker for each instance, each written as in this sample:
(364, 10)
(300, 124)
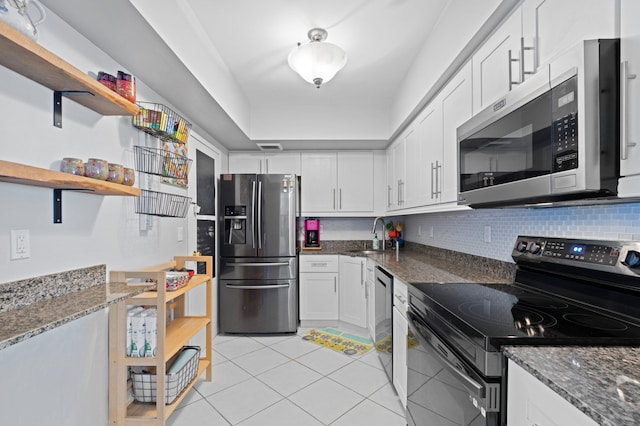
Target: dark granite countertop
(602, 382)
(36, 305)
(418, 263)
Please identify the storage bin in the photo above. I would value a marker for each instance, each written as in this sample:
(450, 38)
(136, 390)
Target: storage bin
(145, 384)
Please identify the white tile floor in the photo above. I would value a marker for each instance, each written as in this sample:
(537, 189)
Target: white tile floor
(284, 380)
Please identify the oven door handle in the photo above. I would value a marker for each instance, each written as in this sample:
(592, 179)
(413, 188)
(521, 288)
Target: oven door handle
(476, 388)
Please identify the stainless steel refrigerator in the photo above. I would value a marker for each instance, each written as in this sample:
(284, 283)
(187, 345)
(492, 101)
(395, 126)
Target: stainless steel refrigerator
(258, 285)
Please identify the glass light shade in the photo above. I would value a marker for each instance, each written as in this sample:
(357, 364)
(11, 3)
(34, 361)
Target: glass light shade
(317, 62)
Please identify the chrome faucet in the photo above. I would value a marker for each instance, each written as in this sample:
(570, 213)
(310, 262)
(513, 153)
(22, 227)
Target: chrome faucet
(373, 230)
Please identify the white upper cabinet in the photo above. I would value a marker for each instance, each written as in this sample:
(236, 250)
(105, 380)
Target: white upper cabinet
(337, 182)
(245, 162)
(496, 64)
(319, 182)
(549, 27)
(630, 98)
(259, 162)
(425, 164)
(456, 106)
(396, 168)
(355, 181)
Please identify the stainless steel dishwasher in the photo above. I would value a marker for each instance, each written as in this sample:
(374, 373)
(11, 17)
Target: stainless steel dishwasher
(383, 302)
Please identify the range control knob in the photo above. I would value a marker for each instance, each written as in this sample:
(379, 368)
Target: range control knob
(522, 246)
(534, 248)
(632, 260)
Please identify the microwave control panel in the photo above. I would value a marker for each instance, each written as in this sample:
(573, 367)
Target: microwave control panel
(564, 129)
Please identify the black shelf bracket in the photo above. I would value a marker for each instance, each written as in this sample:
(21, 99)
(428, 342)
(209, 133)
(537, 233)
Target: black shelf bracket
(57, 206)
(57, 103)
(57, 203)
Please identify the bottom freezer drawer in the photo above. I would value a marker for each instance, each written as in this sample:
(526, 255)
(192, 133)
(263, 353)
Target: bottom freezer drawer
(258, 307)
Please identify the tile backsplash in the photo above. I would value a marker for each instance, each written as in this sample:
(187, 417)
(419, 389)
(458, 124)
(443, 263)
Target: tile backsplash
(466, 231)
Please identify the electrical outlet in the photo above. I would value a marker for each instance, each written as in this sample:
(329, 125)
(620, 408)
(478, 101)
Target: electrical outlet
(420, 230)
(431, 231)
(180, 233)
(487, 233)
(20, 244)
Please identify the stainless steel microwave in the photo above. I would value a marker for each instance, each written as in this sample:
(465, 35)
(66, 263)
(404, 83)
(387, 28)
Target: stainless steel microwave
(553, 138)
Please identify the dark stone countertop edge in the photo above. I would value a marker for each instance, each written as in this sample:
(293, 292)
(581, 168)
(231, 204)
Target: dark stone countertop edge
(23, 323)
(420, 263)
(585, 377)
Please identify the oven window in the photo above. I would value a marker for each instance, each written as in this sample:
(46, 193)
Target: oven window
(517, 146)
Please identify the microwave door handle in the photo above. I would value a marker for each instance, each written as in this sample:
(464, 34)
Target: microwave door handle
(624, 110)
(468, 382)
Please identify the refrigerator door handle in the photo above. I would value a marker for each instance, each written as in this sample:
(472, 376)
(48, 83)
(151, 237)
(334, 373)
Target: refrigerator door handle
(259, 200)
(253, 214)
(247, 264)
(256, 287)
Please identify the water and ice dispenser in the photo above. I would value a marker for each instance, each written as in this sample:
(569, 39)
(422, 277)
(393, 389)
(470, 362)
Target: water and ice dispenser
(235, 224)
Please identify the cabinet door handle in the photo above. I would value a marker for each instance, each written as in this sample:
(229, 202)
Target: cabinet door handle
(432, 180)
(335, 284)
(511, 60)
(523, 49)
(624, 110)
(389, 195)
(340, 196)
(334, 198)
(438, 186)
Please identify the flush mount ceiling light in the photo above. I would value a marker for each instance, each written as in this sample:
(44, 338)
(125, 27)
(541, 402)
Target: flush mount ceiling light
(317, 61)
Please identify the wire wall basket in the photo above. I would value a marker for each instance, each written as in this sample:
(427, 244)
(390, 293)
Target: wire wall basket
(162, 162)
(161, 122)
(162, 204)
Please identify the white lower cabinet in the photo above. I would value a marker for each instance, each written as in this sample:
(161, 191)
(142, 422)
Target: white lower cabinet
(319, 292)
(400, 338)
(531, 403)
(353, 302)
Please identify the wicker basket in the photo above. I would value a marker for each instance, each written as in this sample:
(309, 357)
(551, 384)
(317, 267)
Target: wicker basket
(144, 384)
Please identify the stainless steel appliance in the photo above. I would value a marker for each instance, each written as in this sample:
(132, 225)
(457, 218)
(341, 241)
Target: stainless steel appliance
(383, 302)
(553, 138)
(566, 292)
(258, 286)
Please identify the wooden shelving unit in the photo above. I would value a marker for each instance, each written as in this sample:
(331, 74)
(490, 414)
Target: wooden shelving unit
(171, 338)
(26, 57)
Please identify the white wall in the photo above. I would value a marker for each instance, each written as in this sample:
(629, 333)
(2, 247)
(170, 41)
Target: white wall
(453, 33)
(64, 372)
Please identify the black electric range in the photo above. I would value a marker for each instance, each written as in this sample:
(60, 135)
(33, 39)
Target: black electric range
(565, 292)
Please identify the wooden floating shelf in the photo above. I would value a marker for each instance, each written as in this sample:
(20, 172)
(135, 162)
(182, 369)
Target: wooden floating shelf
(36, 176)
(26, 57)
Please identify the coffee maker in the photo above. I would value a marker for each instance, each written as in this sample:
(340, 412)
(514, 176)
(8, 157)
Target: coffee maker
(312, 233)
